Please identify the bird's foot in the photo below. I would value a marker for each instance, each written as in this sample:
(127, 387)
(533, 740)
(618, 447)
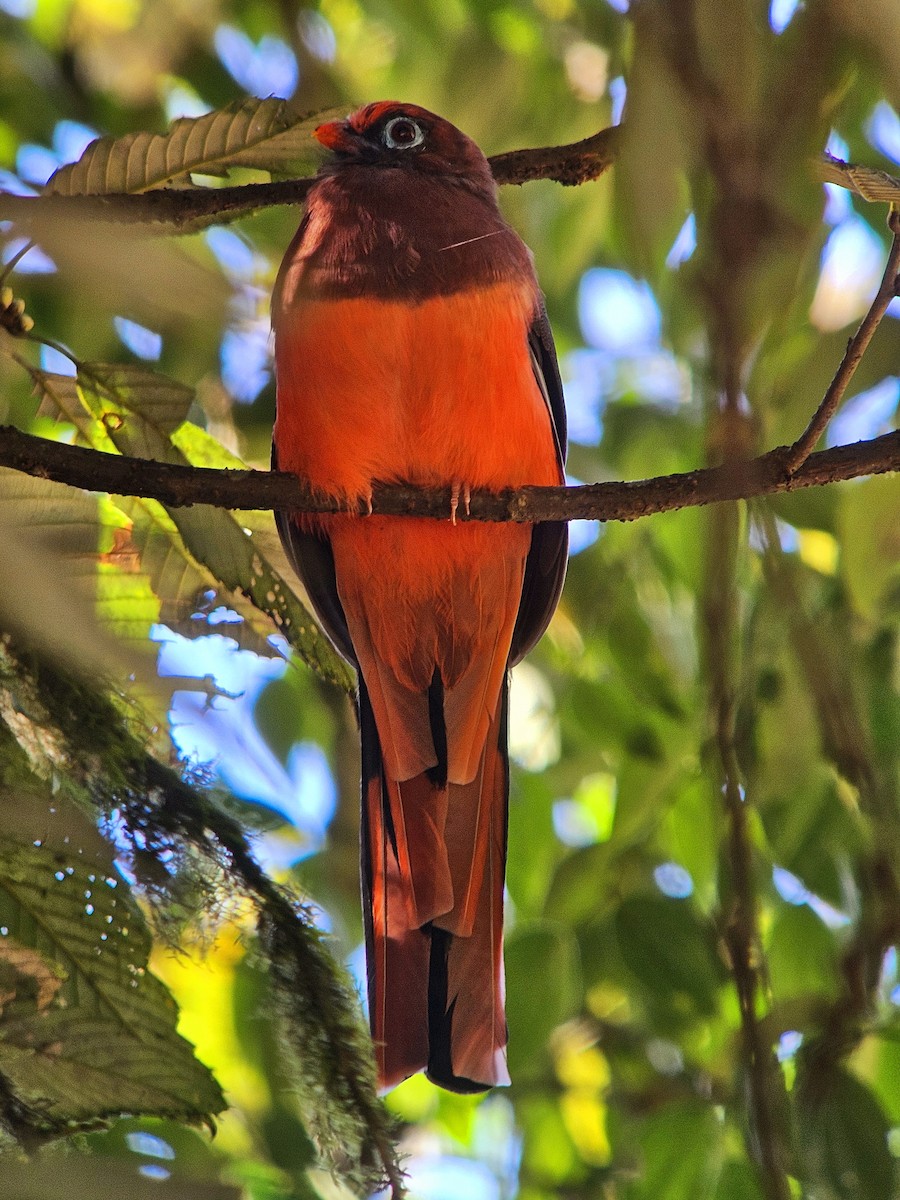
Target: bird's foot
(460, 489)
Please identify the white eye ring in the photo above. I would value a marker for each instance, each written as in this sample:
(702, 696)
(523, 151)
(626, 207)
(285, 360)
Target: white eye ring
(403, 143)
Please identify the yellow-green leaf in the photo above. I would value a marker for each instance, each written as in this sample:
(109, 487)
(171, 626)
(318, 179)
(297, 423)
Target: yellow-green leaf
(268, 134)
(85, 1030)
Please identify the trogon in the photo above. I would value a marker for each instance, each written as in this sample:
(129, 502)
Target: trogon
(412, 345)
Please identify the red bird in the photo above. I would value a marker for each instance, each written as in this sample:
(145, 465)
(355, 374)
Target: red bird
(412, 345)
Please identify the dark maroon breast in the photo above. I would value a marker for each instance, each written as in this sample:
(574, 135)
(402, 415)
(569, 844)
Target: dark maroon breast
(397, 234)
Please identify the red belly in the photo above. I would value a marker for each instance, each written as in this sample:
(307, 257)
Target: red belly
(435, 393)
(431, 393)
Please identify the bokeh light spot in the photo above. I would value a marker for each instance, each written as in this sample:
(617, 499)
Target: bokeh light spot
(265, 68)
(673, 881)
(140, 341)
(781, 13)
(617, 313)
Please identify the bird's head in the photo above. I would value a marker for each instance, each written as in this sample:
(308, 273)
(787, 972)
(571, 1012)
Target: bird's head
(391, 134)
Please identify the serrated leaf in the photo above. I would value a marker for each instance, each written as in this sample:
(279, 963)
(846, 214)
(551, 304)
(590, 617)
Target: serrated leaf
(62, 518)
(217, 540)
(212, 536)
(153, 540)
(126, 603)
(100, 396)
(54, 581)
(86, 1032)
(112, 391)
(203, 450)
(267, 134)
(62, 401)
(137, 410)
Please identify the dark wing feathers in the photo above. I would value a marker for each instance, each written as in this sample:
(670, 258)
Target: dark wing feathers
(312, 559)
(546, 372)
(545, 568)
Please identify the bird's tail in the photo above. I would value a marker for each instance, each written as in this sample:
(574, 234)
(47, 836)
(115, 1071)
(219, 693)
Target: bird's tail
(433, 863)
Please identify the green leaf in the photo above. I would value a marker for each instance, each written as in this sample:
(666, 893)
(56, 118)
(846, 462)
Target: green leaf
(689, 833)
(681, 1148)
(579, 887)
(802, 955)
(137, 411)
(649, 177)
(533, 848)
(159, 403)
(544, 990)
(61, 400)
(886, 1051)
(77, 1177)
(669, 949)
(548, 1155)
(267, 134)
(61, 570)
(738, 1181)
(203, 450)
(63, 519)
(174, 575)
(147, 413)
(843, 1135)
(288, 710)
(870, 541)
(86, 1032)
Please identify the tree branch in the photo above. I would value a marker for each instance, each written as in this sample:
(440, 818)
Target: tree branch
(186, 209)
(856, 348)
(179, 486)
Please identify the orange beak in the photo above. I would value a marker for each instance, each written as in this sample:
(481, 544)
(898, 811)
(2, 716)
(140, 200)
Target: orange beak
(334, 134)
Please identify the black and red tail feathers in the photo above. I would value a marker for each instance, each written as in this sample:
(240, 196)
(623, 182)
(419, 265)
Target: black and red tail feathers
(436, 985)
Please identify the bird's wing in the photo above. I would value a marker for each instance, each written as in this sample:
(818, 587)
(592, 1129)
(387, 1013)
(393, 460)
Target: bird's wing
(545, 567)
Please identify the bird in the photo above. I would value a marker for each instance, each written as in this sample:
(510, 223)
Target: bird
(412, 346)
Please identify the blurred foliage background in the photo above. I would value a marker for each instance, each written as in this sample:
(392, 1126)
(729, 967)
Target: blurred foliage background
(704, 811)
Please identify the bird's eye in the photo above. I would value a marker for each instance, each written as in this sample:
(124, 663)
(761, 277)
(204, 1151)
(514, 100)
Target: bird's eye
(402, 133)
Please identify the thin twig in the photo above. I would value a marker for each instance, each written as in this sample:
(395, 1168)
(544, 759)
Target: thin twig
(856, 348)
(42, 340)
(764, 1082)
(119, 474)
(739, 901)
(15, 259)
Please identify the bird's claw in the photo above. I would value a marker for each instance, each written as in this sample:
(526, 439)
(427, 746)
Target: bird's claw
(455, 492)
